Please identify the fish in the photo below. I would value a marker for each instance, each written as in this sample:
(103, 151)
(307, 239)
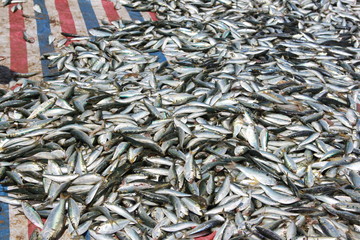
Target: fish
(225, 119)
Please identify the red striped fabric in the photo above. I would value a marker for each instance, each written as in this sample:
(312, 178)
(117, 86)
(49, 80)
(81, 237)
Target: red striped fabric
(153, 16)
(31, 228)
(66, 19)
(110, 10)
(18, 53)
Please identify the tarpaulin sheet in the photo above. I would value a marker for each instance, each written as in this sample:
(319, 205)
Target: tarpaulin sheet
(69, 16)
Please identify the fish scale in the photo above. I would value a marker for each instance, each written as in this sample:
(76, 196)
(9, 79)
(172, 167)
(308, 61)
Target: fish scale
(248, 128)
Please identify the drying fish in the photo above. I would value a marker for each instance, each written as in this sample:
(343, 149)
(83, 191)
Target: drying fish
(37, 8)
(248, 128)
(28, 38)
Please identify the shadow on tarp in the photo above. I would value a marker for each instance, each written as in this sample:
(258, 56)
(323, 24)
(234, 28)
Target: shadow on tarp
(6, 75)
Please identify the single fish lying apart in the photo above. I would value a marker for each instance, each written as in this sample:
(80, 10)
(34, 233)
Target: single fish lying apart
(249, 130)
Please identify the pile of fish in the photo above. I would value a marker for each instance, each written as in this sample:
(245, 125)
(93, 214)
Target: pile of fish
(249, 129)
